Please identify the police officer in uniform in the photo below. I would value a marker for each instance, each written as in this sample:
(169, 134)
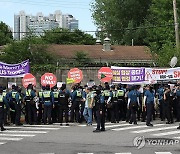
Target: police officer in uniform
(76, 100)
(149, 99)
(177, 95)
(115, 106)
(18, 101)
(100, 110)
(30, 104)
(6, 108)
(133, 103)
(160, 94)
(40, 110)
(3, 102)
(48, 103)
(63, 101)
(107, 98)
(121, 103)
(55, 110)
(12, 102)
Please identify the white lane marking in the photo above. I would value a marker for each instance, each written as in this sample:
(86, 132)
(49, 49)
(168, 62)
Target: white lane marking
(30, 132)
(167, 133)
(10, 139)
(163, 153)
(124, 153)
(154, 129)
(85, 153)
(177, 137)
(111, 126)
(18, 135)
(107, 123)
(1, 143)
(134, 127)
(36, 128)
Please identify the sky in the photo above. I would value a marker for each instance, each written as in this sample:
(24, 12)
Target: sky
(80, 9)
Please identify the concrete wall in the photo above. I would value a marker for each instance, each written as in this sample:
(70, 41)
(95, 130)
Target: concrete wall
(89, 73)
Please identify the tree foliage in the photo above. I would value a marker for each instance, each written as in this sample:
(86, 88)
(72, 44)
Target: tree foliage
(81, 58)
(31, 48)
(5, 34)
(65, 36)
(116, 16)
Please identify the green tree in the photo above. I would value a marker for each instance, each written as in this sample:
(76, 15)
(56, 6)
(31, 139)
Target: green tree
(65, 36)
(31, 48)
(81, 58)
(115, 16)
(5, 34)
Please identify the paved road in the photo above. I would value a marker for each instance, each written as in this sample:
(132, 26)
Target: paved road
(79, 138)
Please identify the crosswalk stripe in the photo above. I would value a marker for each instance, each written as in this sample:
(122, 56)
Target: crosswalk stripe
(167, 133)
(124, 153)
(111, 126)
(134, 127)
(1, 143)
(154, 129)
(163, 153)
(30, 132)
(36, 128)
(107, 123)
(10, 139)
(18, 135)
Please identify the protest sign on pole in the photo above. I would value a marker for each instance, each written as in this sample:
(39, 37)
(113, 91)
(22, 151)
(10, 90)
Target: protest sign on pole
(28, 79)
(76, 75)
(105, 74)
(48, 79)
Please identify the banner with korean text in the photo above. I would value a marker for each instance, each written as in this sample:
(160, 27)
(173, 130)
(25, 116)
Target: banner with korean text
(158, 74)
(14, 70)
(128, 75)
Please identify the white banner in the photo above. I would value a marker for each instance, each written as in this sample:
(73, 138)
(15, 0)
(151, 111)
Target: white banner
(152, 75)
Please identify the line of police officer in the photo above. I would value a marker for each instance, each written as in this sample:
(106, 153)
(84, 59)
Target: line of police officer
(113, 103)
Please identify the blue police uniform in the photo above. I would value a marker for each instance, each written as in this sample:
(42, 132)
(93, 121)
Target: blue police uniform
(160, 93)
(48, 102)
(30, 106)
(149, 105)
(133, 105)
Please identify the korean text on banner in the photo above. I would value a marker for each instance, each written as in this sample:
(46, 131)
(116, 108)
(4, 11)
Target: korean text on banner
(128, 75)
(14, 70)
(155, 74)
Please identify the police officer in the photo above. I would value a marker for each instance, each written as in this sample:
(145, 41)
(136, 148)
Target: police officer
(168, 104)
(121, 110)
(115, 106)
(18, 101)
(63, 101)
(76, 100)
(55, 110)
(133, 103)
(30, 104)
(177, 95)
(40, 109)
(149, 99)
(6, 108)
(100, 110)
(160, 93)
(3, 102)
(107, 94)
(48, 103)
(12, 101)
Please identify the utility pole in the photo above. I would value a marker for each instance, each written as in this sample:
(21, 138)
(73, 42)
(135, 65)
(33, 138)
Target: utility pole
(176, 24)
